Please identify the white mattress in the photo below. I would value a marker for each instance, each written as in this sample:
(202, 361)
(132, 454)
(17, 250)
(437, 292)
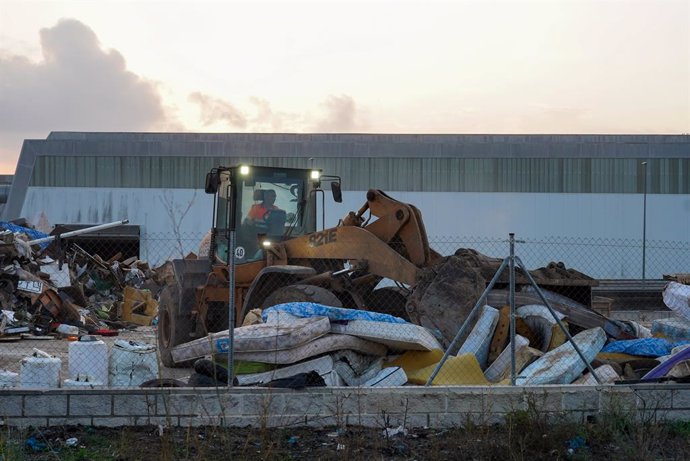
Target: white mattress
(351, 378)
(397, 336)
(388, 377)
(479, 339)
(563, 364)
(540, 320)
(322, 365)
(319, 346)
(256, 338)
(503, 361)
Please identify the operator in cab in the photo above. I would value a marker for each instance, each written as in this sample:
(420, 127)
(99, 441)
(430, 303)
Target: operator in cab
(260, 211)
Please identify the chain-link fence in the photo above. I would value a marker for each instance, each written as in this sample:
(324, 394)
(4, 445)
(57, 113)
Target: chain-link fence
(353, 313)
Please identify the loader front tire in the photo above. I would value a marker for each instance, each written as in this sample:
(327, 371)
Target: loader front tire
(388, 300)
(302, 293)
(174, 327)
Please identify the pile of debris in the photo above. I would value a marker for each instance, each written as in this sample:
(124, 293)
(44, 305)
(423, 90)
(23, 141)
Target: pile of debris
(57, 290)
(306, 344)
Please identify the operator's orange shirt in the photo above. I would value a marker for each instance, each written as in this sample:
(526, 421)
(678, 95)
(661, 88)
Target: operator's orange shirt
(258, 210)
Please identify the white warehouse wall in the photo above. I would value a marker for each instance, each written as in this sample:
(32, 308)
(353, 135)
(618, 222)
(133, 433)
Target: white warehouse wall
(537, 215)
(447, 215)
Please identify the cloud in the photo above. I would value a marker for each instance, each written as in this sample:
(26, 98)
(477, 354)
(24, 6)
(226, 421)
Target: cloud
(268, 120)
(77, 86)
(340, 115)
(215, 110)
(336, 114)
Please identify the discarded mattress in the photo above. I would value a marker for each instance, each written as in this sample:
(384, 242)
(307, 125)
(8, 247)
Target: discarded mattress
(305, 309)
(322, 365)
(524, 356)
(499, 366)
(354, 374)
(397, 336)
(677, 298)
(388, 377)
(255, 338)
(322, 345)
(675, 329)
(644, 347)
(563, 364)
(605, 373)
(479, 339)
(542, 322)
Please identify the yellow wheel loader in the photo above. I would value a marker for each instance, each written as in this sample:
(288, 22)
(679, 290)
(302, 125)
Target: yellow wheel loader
(269, 216)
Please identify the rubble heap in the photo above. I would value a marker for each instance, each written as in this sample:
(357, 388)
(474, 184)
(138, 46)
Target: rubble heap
(53, 290)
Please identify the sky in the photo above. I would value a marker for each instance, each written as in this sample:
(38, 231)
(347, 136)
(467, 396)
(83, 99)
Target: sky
(355, 66)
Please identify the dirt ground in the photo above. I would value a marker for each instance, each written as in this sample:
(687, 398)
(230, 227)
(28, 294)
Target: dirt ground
(519, 439)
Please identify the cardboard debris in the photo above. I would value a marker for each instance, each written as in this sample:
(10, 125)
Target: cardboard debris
(139, 306)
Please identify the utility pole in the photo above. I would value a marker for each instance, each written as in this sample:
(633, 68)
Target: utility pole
(644, 220)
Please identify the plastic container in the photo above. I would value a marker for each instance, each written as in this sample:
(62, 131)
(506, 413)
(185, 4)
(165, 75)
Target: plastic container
(89, 357)
(8, 379)
(40, 371)
(132, 363)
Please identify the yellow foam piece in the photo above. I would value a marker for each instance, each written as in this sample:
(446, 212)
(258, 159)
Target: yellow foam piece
(558, 338)
(463, 370)
(412, 361)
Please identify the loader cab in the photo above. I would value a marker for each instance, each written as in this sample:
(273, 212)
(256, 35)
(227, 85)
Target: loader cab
(262, 204)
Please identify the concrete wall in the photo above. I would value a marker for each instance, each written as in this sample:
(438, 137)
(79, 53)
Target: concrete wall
(320, 407)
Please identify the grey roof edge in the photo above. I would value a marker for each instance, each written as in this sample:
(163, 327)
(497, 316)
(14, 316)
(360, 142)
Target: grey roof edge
(121, 144)
(368, 137)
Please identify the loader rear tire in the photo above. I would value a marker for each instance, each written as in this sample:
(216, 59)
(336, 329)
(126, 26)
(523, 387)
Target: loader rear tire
(174, 326)
(302, 293)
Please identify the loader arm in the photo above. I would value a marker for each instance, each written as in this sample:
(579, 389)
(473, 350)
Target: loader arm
(347, 243)
(397, 224)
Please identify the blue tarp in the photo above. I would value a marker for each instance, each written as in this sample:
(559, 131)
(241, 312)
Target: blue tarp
(305, 309)
(645, 347)
(32, 233)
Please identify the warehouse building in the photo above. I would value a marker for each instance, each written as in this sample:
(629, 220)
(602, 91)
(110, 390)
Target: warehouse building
(605, 187)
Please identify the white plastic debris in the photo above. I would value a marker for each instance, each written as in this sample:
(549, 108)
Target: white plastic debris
(677, 298)
(393, 431)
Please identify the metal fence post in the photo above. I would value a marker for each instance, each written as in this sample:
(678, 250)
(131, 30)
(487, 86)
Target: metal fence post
(511, 294)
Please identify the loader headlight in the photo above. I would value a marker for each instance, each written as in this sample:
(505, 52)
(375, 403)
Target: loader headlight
(266, 243)
(244, 170)
(315, 176)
